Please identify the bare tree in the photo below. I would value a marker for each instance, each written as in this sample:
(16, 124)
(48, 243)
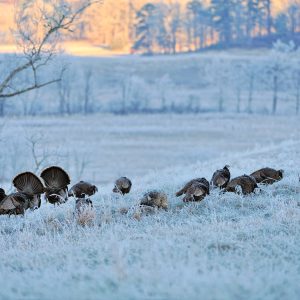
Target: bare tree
(220, 77)
(296, 81)
(39, 28)
(278, 64)
(126, 91)
(81, 165)
(250, 74)
(64, 92)
(2, 107)
(38, 158)
(41, 155)
(164, 84)
(87, 92)
(237, 80)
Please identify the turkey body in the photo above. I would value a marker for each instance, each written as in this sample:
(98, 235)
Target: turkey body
(267, 175)
(195, 190)
(82, 189)
(56, 184)
(122, 186)
(221, 178)
(155, 199)
(246, 183)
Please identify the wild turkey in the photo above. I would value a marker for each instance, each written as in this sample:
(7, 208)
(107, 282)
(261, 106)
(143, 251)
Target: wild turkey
(14, 204)
(28, 195)
(221, 178)
(155, 199)
(122, 186)
(267, 175)
(84, 213)
(56, 184)
(195, 190)
(245, 184)
(82, 189)
(82, 204)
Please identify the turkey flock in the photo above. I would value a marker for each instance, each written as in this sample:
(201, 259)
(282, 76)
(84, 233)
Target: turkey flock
(55, 182)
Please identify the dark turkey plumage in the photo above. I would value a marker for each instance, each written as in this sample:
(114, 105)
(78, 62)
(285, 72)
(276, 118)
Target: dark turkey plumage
(155, 199)
(243, 184)
(14, 204)
(195, 190)
(267, 175)
(221, 178)
(82, 189)
(122, 186)
(29, 189)
(56, 181)
(2, 194)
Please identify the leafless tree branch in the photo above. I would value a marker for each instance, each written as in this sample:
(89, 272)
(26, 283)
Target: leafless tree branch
(30, 88)
(39, 27)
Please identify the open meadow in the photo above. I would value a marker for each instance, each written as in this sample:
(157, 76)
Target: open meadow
(225, 247)
(149, 150)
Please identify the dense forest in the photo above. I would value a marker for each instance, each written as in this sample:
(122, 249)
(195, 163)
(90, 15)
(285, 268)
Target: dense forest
(167, 28)
(182, 26)
(173, 26)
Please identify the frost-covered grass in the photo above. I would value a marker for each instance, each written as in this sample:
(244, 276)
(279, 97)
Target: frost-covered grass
(226, 247)
(102, 147)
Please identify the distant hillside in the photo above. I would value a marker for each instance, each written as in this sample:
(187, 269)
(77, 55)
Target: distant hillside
(266, 41)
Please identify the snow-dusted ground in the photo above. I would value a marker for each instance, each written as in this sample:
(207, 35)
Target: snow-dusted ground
(226, 247)
(103, 147)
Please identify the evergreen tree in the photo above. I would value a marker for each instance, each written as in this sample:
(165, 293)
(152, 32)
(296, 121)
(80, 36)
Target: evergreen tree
(151, 33)
(199, 22)
(266, 7)
(175, 25)
(222, 14)
(162, 37)
(281, 24)
(252, 11)
(145, 28)
(239, 20)
(293, 13)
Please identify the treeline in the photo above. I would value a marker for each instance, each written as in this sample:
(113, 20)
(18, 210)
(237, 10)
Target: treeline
(171, 28)
(265, 84)
(160, 26)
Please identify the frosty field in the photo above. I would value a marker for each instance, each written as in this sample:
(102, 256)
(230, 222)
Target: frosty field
(226, 247)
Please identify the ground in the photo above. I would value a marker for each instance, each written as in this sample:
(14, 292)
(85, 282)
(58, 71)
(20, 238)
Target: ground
(226, 247)
(102, 147)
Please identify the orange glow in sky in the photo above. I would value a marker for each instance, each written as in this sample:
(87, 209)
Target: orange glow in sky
(90, 46)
